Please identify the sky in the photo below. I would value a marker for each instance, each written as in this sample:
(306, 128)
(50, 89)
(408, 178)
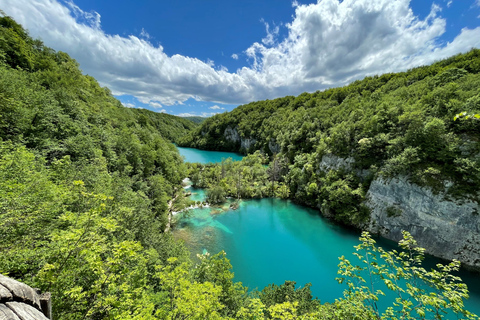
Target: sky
(202, 57)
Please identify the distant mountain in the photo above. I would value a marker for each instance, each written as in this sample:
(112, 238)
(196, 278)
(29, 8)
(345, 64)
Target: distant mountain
(197, 120)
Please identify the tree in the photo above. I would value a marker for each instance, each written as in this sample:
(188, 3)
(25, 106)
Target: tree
(420, 294)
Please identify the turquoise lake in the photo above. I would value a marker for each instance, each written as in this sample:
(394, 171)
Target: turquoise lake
(273, 240)
(204, 156)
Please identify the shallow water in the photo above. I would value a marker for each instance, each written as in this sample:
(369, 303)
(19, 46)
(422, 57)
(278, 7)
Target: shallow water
(273, 240)
(204, 156)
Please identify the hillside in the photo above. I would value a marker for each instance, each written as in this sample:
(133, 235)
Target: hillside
(364, 153)
(195, 119)
(84, 183)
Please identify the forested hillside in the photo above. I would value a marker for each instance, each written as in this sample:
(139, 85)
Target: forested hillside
(85, 187)
(382, 126)
(84, 184)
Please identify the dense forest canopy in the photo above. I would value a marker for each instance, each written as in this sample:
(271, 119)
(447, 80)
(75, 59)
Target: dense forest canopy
(86, 187)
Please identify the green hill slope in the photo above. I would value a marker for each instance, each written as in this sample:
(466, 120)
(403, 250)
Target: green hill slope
(84, 184)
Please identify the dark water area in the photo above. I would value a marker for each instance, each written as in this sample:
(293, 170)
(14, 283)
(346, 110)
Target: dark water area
(273, 240)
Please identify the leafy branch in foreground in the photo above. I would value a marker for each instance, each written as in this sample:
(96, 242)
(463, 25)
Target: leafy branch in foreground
(420, 294)
(465, 115)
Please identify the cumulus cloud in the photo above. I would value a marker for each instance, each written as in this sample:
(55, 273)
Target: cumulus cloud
(155, 105)
(328, 43)
(235, 56)
(129, 105)
(186, 114)
(269, 40)
(215, 107)
(193, 114)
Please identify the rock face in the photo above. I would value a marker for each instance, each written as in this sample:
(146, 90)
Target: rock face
(445, 228)
(332, 162)
(20, 302)
(274, 146)
(233, 136)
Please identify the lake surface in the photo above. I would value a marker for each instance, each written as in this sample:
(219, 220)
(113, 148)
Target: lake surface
(273, 240)
(204, 156)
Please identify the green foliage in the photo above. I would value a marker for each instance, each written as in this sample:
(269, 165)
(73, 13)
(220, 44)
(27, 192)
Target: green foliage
(420, 294)
(247, 178)
(85, 185)
(301, 298)
(195, 119)
(182, 298)
(216, 269)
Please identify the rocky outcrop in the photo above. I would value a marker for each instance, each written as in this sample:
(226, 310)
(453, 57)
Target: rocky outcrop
(332, 162)
(247, 143)
(232, 135)
(20, 302)
(274, 146)
(445, 228)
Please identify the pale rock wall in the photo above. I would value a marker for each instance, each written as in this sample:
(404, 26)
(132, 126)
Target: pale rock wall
(445, 228)
(274, 146)
(332, 162)
(233, 136)
(247, 143)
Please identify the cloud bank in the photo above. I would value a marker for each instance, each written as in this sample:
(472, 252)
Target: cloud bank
(328, 44)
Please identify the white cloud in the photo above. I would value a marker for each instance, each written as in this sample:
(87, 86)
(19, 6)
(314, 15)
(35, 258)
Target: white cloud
(129, 105)
(155, 105)
(144, 34)
(193, 114)
(329, 43)
(215, 107)
(235, 56)
(449, 3)
(187, 114)
(269, 40)
(208, 114)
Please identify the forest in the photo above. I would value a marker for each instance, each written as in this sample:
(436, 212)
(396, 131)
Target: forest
(86, 186)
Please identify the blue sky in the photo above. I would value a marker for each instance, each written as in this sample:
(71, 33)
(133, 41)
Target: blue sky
(204, 57)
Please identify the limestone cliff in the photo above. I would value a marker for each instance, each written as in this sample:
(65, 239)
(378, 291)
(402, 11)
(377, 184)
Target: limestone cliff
(445, 228)
(232, 135)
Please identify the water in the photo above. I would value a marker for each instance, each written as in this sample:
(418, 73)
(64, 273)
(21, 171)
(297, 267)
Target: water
(204, 156)
(273, 240)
